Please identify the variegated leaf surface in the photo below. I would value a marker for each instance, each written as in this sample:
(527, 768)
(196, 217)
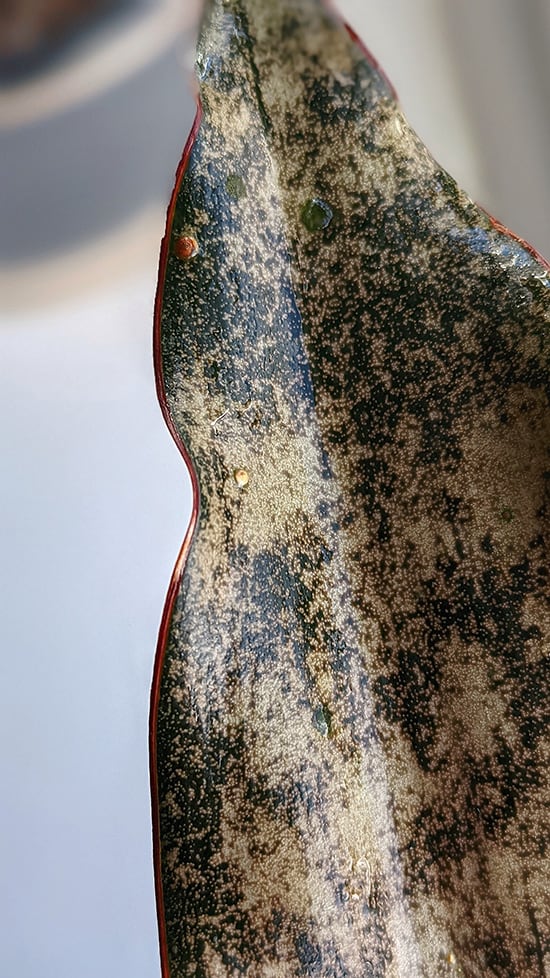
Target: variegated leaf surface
(348, 724)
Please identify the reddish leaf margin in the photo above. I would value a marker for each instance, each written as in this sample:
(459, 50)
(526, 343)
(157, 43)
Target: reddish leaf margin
(182, 556)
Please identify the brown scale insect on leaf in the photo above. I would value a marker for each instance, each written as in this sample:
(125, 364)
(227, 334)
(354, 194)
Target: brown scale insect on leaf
(349, 730)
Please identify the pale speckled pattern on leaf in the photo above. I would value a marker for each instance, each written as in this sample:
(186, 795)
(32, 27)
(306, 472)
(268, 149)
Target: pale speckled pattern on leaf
(352, 712)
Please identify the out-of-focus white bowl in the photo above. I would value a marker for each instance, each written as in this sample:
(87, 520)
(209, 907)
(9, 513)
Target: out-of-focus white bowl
(88, 151)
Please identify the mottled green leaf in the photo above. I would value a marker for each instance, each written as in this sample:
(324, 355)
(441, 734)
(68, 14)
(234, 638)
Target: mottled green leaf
(349, 707)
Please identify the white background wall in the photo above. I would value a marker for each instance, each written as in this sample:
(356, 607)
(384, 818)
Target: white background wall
(94, 498)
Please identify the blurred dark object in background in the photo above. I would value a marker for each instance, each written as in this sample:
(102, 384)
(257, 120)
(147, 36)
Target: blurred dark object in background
(35, 32)
(93, 118)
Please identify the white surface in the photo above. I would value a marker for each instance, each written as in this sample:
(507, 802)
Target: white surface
(93, 507)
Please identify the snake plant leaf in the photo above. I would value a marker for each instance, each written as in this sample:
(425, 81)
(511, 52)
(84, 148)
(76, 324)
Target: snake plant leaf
(348, 712)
